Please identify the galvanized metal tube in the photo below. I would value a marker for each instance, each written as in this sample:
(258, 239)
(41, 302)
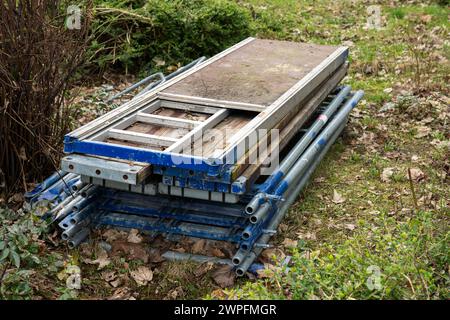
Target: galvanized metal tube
(318, 144)
(295, 188)
(77, 186)
(239, 256)
(136, 85)
(89, 191)
(76, 217)
(177, 256)
(246, 258)
(78, 238)
(72, 230)
(298, 149)
(67, 208)
(261, 213)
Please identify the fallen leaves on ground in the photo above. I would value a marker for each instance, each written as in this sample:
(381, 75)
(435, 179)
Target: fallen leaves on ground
(272, 255)
(416, 174)
(132, 250)
(102, 259)
(289, 243)
(142, 275)
(134, 236)
(337, 197)
(224, 276)
(198, 246)
(387, 174)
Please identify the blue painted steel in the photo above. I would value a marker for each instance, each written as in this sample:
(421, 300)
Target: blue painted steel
(73, 145)
(55, 177)
(152, 224)
(175, 213)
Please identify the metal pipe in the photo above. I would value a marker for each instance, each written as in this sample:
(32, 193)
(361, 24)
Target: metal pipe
(67, 208)
(318, 144)
(239, 256)
(246, 260)
(296, 151)
(72, 230)
(89, 191)
(76, 217)
(294, 189)
(177, 256)
(261, 213)
(77, 186)
(137, 84)
(78, 238)
(55, 177)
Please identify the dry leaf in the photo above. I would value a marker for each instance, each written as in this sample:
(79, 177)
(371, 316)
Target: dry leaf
(116, 283)
(198, 246)
(387, 174)
(142, 275)
(337, 197)
(422, 131)
(272, 254)
(224, 276)
(132, 250)
(108, 275)
(289, 243)
(112, 235)
(120, 294)
(215, 252)
(102, 259)
(350, 226)
(416, 174)
(203, 269)
(134, 237)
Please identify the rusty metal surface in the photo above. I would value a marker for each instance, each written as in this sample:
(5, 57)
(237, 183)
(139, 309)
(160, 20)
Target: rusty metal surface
(257, 73)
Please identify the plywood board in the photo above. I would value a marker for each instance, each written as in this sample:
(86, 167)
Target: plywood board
(258, 73)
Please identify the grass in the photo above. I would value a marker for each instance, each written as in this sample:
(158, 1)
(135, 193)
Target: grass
(379, 243)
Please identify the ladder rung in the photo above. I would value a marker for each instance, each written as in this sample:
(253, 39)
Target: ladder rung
(140, 137)
(166, 121)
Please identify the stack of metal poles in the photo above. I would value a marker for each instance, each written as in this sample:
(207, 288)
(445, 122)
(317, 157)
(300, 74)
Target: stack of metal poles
(77, 207)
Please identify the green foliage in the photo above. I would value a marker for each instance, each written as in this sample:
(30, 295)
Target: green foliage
(412, 257)
(19, 250)
(132, 35)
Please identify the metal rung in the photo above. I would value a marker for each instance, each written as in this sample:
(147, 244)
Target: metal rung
(166, 121)
(124, 172)
(141, 137)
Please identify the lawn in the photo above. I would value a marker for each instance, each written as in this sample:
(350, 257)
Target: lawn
(372, 224)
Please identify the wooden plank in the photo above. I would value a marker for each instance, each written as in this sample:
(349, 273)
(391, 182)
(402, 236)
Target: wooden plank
(105, 121)
(288, 101)
(187, 106)
(212, 102)
(291, 125)
(208, 124)
(166, 121)
(140, 137)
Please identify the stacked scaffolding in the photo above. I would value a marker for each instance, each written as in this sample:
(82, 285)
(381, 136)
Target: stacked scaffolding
(151, 164)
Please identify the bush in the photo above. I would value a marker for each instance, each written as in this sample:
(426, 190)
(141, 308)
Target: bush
(38, 56)
(132, 35)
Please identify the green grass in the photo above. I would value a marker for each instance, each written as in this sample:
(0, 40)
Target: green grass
(378, 227)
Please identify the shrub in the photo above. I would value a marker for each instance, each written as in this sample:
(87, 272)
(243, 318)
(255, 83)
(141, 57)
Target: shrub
(132, 35)
(38, 56)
